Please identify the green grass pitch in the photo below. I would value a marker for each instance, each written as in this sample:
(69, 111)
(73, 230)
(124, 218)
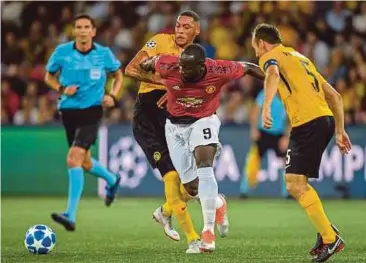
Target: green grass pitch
(262, 230)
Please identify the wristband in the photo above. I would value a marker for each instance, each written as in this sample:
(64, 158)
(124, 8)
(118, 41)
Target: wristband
(114, 99)
(61, 89)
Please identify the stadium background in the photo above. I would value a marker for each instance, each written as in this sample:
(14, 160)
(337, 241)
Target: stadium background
(33, 169)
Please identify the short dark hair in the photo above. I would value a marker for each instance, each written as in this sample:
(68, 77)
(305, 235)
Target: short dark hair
(197, 51)
(192, 14)
(84, 16)
(268, 33)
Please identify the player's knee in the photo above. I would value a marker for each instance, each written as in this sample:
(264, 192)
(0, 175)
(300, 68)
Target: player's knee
(192, 187)
(203, 163)
(295, 189)
(75, 157)
(87, 165)
(296, 185)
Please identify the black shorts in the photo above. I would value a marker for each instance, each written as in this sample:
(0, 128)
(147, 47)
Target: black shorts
(269, 141)
(149, 130)
(81, 125)
(307, 144)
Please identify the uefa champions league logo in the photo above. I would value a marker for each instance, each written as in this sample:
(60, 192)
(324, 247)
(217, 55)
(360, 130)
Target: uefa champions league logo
(128, 160)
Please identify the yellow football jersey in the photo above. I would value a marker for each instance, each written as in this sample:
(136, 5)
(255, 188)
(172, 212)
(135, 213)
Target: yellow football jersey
(300, 87)
(159, 44)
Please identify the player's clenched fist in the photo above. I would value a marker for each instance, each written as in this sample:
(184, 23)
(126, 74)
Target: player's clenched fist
(343, 142)
(266, 118)
(70, 90)
(108, 101)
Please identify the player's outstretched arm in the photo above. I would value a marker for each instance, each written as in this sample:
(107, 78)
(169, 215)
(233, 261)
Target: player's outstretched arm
(253, 70)
(335, 103)
(271, 81)
(135, 71)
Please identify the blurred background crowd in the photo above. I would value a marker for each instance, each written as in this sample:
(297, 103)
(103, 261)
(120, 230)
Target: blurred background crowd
(332, 34)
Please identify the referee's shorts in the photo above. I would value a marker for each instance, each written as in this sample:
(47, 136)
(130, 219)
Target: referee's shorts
(81, 125)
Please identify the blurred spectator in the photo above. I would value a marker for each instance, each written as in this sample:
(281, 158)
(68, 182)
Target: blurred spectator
(359, 20)
(336, 18)
(11, 51)
(28, 114)
(337, 69)
(9, 100)
(45, 111)
(316, 50)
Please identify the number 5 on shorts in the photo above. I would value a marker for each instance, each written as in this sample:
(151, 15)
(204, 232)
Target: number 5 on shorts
(207, 133)
(288, 157)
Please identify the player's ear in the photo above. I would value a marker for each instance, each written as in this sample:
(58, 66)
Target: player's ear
(94, 32)
(198, 29)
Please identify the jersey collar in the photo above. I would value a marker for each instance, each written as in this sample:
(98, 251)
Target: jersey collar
(84, 52)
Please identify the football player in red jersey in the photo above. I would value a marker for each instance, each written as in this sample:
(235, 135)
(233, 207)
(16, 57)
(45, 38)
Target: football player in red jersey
(193, 86)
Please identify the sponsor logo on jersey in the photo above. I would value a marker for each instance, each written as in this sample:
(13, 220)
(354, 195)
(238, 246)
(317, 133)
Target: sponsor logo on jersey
(190, 102)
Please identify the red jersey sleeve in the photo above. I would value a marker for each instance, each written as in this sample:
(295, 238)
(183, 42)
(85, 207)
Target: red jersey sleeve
(231, 69)
(165, 63)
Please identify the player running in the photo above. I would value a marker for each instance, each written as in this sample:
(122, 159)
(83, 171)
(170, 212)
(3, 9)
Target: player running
(275, 138)
(315, 111)
(149, 121)
(83, 66)
(193, 87)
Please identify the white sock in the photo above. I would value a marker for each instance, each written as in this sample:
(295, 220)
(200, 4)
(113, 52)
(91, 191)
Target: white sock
(219, 202)
(208, 193)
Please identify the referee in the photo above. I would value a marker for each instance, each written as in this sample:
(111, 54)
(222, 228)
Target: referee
(83, 66)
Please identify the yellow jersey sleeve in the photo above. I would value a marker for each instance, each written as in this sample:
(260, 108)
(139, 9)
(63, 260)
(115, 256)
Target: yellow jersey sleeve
(268, 59)
(154, 45)
(320, 78)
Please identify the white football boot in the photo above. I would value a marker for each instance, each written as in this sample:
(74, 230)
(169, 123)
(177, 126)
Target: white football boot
(193, 247)
(222, 221)
(207, 244)
(166, 222)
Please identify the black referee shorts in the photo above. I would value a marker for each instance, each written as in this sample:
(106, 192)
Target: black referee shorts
(268, 141)
(149, 130)
(307, 144)
(82, 125)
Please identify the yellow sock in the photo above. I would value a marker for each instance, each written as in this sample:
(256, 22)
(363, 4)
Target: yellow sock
(178, 206)
(313, 206)
(167, 210)
(186, 197)
(252, 166)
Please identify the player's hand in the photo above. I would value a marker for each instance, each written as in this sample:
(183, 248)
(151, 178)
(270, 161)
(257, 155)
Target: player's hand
(283, 143)
(343, 142)
(108, 101)
(254, 135)
(266, 118)
(70, 90)
(162, 101)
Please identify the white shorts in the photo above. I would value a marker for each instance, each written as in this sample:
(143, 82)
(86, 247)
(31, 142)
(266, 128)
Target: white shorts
(182, 139)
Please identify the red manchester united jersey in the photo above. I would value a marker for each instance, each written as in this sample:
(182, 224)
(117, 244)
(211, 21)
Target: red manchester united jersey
(199, 99)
